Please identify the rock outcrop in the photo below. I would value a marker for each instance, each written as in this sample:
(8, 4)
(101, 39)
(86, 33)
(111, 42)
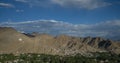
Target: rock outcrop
(12, 41)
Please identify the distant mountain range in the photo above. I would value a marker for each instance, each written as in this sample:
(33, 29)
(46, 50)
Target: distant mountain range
(12, 41)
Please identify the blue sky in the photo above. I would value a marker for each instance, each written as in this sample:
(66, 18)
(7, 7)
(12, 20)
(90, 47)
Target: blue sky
(72, 17)
(73, 11)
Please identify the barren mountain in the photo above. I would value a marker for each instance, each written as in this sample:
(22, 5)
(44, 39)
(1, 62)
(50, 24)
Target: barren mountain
(12, 41)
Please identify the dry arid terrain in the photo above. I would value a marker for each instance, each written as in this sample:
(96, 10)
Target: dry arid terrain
(12, 41)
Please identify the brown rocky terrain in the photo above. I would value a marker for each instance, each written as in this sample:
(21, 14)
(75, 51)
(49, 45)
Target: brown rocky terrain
(12, 41)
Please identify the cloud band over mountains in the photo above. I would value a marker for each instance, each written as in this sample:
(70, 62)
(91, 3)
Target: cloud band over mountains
(108, 29)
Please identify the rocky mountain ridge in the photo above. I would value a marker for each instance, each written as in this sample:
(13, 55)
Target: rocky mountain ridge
(12, 41)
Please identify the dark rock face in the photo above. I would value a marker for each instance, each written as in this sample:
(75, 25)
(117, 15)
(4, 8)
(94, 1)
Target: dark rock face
(12, 41)
(105, 44)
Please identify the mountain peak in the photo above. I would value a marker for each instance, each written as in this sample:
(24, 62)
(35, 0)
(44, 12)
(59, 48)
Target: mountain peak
(7, 29)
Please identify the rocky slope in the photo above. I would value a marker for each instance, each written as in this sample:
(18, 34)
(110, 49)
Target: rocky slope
(12, 41)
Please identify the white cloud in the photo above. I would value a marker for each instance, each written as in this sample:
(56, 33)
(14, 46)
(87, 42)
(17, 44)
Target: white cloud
(31, 3)
(87, 4)
(108, 29)
(19, 10)
(7, 5)
(24, 1)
